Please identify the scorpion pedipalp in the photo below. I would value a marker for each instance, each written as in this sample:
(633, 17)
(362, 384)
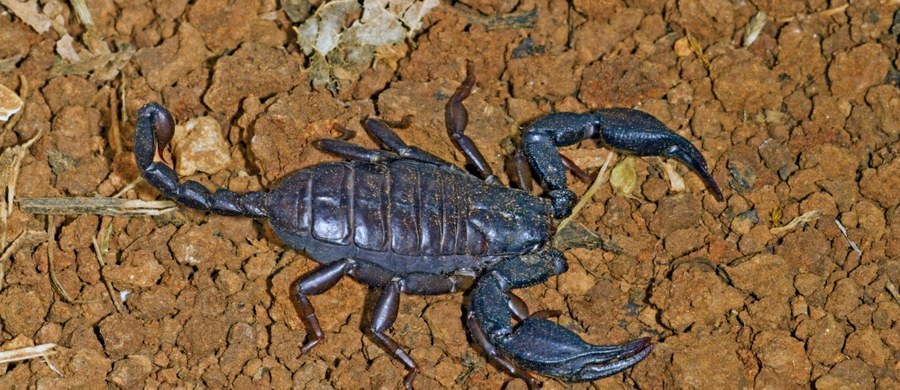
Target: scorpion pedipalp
(624, 130)
(537, 344)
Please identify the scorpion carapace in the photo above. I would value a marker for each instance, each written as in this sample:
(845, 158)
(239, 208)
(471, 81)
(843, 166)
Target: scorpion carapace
(405, 221)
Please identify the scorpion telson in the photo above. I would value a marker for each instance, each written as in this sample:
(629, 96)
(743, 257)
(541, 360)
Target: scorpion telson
(405, 221)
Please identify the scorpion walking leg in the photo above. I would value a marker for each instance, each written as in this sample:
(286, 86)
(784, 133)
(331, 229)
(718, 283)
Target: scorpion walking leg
(384, 316)
(390, 140)
(522, 170)
(495, 355)
(457, 118)
(520, 310)
(579, 173)
(388, 303)
(348, 150)
(316, 282)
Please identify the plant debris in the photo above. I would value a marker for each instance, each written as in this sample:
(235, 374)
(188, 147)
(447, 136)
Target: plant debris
(754, 27)
(623, 178)
(96, 205)
(29, 13)
(807, 217)
(844, 233)
(589, 194)
(676, 182)
(27, 353)
(341, 51)
(10, 103)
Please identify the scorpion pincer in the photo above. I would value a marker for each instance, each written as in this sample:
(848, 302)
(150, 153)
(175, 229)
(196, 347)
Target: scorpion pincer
(405, 221)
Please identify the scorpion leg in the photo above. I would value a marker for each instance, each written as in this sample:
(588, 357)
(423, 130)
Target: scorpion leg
(346, 134)
(520, 309)
(388, 303)
(537, 344)
(624, 130)
(382, 319)
(522, 170)
(496, 356)
(348, 150)
(316, 282)
(390, 140)
(457, 118)
(579, 173)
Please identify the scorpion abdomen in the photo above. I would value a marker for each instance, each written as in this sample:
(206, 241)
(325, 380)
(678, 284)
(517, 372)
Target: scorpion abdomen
(404, 215)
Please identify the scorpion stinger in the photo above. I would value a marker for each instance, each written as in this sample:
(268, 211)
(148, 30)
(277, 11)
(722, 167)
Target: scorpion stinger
(624, 130)
(155, 128)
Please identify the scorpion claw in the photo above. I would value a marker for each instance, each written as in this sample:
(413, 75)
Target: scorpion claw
(622, 129)
(536, 344)
(544, 347)
(636, 132)
(688, 155)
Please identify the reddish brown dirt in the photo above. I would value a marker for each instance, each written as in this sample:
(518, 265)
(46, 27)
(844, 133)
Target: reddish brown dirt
(806, 118)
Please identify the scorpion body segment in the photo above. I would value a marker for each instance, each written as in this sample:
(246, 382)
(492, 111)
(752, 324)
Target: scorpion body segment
(405, 221)
(411, 216)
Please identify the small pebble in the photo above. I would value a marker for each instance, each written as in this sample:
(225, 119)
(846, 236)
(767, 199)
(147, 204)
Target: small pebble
(200, 146)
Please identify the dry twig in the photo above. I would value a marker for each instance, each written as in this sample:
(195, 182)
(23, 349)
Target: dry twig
(826, 13)
(893, 290)
(113, 294)
(844, 233)
(10, 162)
(37, 351)
(29, 237)
(600, 180)
(809, 216)
(51, 263)
(128, 187)
(96, 205)
(114, 134)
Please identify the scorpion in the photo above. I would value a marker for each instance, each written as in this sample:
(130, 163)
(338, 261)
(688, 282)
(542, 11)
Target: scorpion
(405, 221)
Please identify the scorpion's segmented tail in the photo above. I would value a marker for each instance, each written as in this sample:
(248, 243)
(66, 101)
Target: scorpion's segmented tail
(155, 128)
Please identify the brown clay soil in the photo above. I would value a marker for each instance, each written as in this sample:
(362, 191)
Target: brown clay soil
(803, 120)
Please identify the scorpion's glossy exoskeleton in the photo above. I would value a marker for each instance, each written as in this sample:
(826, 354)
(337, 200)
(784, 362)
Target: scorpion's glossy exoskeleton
(405, 221)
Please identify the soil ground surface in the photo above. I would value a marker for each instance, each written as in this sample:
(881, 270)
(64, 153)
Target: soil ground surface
(798, 117)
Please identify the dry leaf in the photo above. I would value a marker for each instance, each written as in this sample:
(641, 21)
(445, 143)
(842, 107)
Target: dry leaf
(807, 217)
(754, 27)
(342, 49)
(10, 103)
(623, 177)
(29, 13)
(66, 50)
(676, 182)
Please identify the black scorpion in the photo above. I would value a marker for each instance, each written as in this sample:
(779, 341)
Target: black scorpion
(405, 221)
